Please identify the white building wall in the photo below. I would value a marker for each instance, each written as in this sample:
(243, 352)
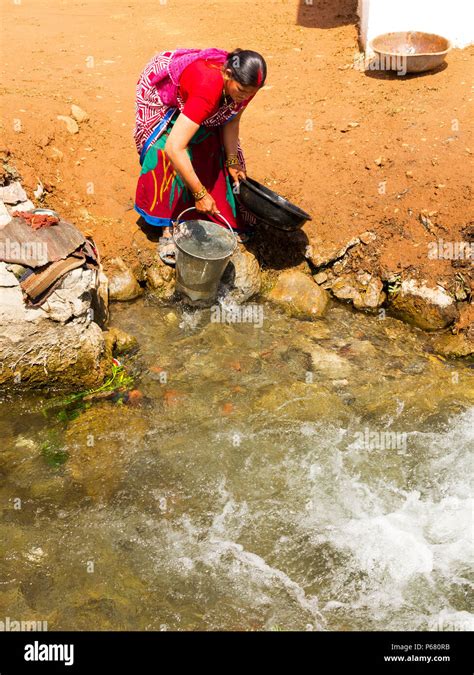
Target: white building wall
(453, 19)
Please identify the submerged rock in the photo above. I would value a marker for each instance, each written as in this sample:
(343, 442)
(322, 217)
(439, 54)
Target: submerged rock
(123, 284)
(242, 276)
(454, 345)
(118, 341)
(99, 451)
(299, 295)
(329, 364)
(426, 307)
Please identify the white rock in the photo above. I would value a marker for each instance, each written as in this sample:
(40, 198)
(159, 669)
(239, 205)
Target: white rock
(437, 296)
(79, 114)
(24, 206)
(7, 278)
(13, 194)
(5, 217)
(71, 123)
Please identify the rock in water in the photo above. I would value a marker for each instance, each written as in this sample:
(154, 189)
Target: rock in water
(242, 276)
(123, 284)
(426, 307)
(454, 346)
(299, 295)
(119, 341)
(160, 278)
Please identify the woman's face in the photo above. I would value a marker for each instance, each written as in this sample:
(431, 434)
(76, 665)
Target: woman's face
(238, 92)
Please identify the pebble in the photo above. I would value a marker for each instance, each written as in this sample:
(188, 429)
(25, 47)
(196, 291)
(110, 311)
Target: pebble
(71, 124)
(79, 114)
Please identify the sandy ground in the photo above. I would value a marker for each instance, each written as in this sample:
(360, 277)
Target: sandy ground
(299, 134)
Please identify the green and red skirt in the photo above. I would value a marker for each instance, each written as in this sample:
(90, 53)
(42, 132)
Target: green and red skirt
(161, 193)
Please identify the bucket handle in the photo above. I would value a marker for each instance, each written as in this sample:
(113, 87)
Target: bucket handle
(193, 208)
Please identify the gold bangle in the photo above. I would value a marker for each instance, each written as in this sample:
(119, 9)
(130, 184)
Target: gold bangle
(232, 160)
(199, 195)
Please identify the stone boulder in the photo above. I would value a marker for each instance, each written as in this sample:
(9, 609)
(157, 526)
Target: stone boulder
(299, 295)
(242, 277)
(123, 284)
(429, 308)
(55, 344)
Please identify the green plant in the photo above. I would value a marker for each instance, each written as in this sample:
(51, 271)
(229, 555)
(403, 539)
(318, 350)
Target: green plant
(72, 405)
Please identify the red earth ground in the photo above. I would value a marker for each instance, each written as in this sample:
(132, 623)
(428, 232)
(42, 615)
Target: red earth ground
(409, 153)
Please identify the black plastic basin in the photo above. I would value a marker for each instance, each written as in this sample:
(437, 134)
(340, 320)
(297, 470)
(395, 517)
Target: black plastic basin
(269, 207)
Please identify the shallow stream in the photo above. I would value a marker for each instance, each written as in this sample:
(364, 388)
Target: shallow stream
(275, 475)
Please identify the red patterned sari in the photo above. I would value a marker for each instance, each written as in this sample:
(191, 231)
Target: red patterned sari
(161, 193)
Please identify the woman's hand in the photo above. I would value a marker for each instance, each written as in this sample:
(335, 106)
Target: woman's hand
(207, 204)
(237, 173)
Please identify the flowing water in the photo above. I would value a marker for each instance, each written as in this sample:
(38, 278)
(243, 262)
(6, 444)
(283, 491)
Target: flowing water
(276, 475)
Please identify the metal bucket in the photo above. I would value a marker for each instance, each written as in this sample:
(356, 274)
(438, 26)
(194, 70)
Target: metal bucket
(203, 251)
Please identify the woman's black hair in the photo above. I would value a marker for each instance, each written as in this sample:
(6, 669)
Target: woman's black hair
(248, 68)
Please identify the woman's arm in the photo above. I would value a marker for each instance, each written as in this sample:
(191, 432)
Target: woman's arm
(175, 149)
(231, 135)
(231, 140)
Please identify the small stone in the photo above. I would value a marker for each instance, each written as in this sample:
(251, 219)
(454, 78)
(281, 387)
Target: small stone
(379, 161)
(71, 124)
(154, 278)
(45, 140)
(55, 153)
(79, 114)
(119, 341)
(171, 319)
(409, 174)
(38, 193)
(123, 284)
(322, 252)
(17, 270)
(367, 237)
(320, 277)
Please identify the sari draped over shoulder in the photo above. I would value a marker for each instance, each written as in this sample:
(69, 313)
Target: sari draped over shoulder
(161, 193)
